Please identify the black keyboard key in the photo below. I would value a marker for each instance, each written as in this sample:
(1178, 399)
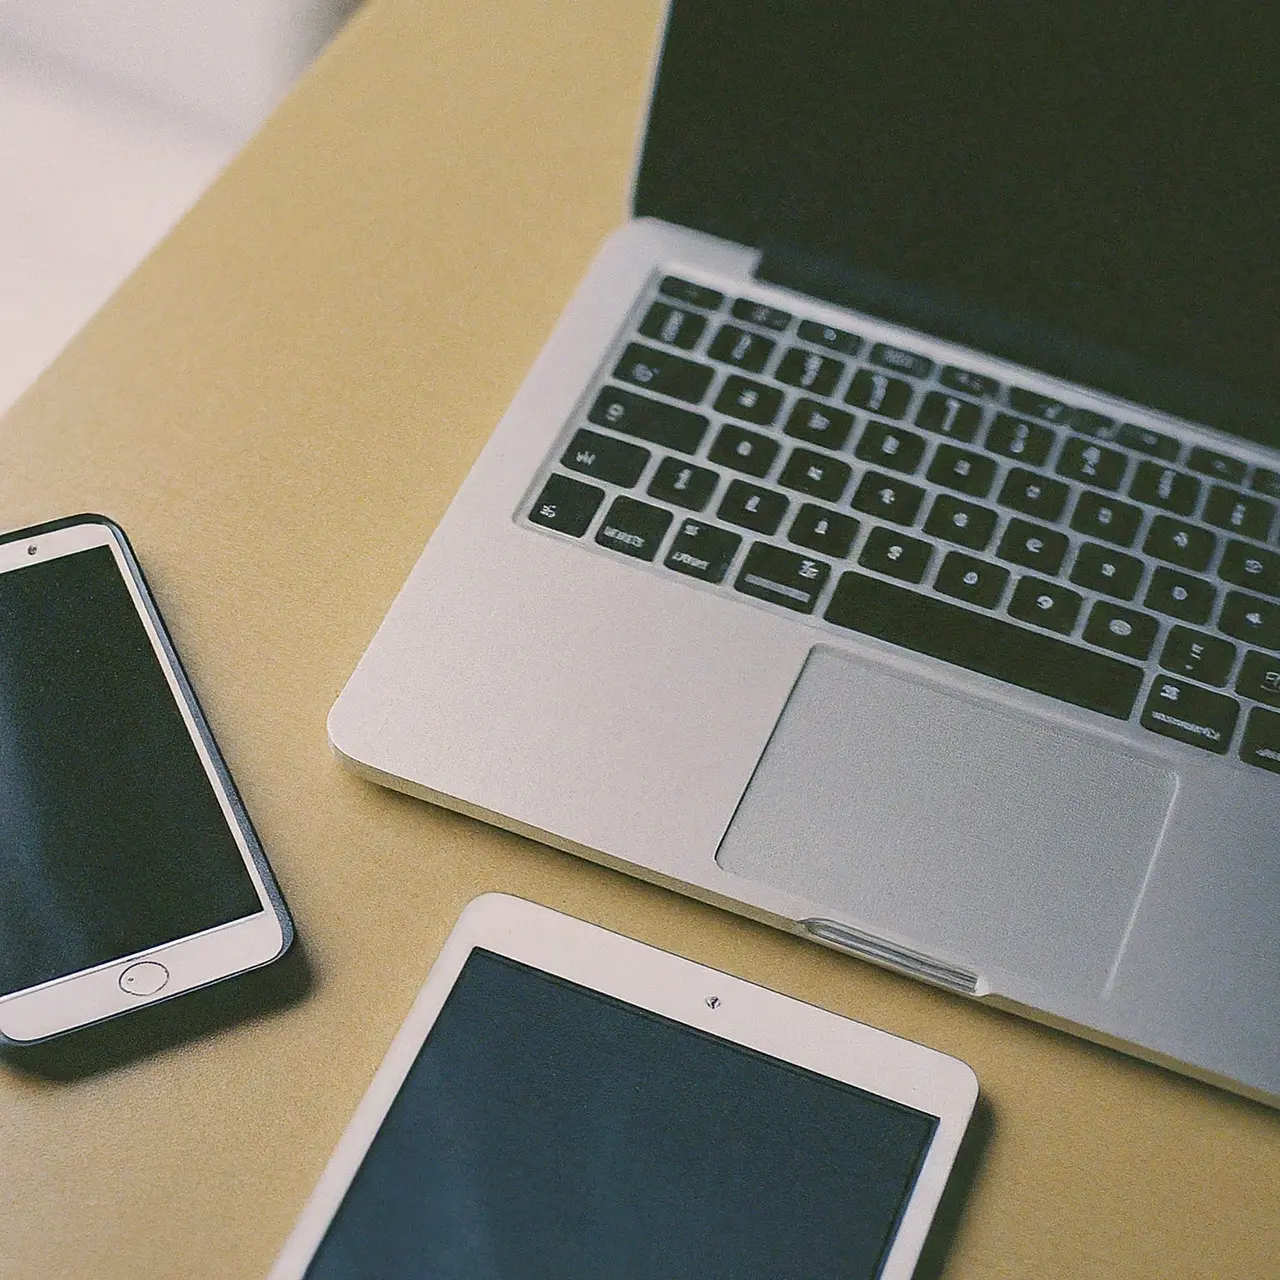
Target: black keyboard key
(900, 360)
(566, 505)
(1265, 482)
(752, 401)
(1034, 546)
(974, 581)
(683, 484)
(1033, 494)
(1250, 619)
(1092, 463)
(878, 393)
(823, 335)
(702, 551)
(1144, 440)
(1036, 405)
(890, 447)
(1090, 423)
(1198, 656)
(986, 644)
(1240, 513)
(1099, 568)
(696, 295)
(972, 384)
(971, 473)
(760, 510)
(893, 553)
(964, 523)
(1180, 596)
(743, 450)
(1028, 442)
(1259, 678)
(809, 371)
(1218, 465)
(736, 346)
(1160, 486)
(785, 578)
(1190, 714)
(675, 327)
(761, 314)
(604, 458)
(1047, 604)
(1251, 567)
(664, 373)
(1261, 742)
(888, 497)
(823, 530)
(949, 416)
(634, 528)
(1187, 545)
(1123, 631)
(664, 424)
(816, 474)
(819, 424)
(1103, 517)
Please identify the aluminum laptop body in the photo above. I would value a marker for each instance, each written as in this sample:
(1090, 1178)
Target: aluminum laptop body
(871, 562)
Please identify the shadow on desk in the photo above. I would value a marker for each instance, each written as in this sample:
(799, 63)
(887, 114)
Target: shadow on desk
(955, 1198)
(121, 1041)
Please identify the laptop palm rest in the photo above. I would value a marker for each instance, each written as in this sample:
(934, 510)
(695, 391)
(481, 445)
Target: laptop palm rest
(962, 830)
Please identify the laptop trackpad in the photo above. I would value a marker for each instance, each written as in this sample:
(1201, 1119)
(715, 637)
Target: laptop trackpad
(971, 832)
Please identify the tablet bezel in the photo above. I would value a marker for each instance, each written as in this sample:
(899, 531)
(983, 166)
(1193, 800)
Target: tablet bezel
(682, 990)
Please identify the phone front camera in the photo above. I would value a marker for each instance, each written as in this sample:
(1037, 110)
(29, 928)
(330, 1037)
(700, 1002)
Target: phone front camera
(31, 550)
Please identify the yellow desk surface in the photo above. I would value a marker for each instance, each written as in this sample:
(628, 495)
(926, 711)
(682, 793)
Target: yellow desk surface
(277, 407)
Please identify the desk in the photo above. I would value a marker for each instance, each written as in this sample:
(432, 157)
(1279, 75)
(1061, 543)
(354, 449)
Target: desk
(277, 407)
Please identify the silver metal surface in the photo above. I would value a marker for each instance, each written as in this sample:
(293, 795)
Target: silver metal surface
(618, 711)
(986, 835)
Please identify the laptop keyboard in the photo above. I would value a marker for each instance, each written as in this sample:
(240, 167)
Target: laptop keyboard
(1096, 561)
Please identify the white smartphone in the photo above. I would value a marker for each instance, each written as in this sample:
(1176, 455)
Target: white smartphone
(131, 871)
(563, 1102)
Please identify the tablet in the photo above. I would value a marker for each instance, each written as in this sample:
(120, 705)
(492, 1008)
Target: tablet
(565, 1102)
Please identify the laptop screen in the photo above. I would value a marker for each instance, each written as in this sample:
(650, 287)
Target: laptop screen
(1091, 188)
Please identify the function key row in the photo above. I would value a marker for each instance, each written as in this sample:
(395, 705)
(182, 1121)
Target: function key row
(685, 329)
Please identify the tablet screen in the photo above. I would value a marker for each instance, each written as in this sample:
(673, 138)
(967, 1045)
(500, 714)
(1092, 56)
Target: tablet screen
(548, 1130)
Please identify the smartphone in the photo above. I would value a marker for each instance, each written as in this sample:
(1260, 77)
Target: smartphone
(131, 872)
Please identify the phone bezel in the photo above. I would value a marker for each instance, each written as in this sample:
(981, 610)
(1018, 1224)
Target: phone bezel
(680, 989)
(90, 995)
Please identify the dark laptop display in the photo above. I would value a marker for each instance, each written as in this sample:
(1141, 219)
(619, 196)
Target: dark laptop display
(1091, 189)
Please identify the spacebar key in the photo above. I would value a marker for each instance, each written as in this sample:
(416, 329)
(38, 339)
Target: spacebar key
(985, 644)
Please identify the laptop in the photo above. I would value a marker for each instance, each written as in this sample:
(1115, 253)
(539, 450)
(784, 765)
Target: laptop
(886, 543)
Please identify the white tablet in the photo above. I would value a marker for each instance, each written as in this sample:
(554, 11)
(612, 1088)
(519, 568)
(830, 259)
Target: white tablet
(565, 1102)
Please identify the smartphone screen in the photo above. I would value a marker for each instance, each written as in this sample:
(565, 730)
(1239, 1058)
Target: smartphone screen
(112, 837)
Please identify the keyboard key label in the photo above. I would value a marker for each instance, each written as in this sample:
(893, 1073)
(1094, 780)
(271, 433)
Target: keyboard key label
(1261, 745)
(794, 581)
(634, 528)
(1190, 714)
(566, 505)
(702, 551)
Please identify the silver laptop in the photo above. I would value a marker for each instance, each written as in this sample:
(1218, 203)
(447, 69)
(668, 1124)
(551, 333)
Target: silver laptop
(885, 544)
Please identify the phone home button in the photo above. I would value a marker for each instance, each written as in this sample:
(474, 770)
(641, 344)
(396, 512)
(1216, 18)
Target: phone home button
(144, 978)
